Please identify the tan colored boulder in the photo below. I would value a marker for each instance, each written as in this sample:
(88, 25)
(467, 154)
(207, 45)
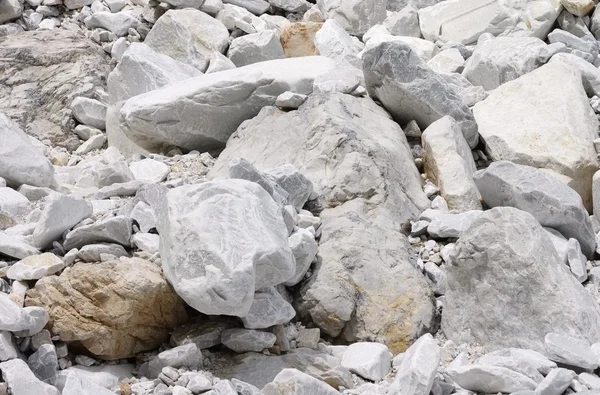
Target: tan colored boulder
(298, 39)
(113, 309)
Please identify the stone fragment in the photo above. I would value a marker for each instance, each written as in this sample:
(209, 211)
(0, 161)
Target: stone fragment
(520, 365)
(566, 149)
(304, 247)
(488, 379)
(449, 164)
(61, 213)
(219, 272)
(244, 340)
(20, 161)
(10, 10)
(94, 252)
(418, 368)
(93, 143)
(148, 242)
(111, 230)
(550, 201)
(522, 263)
(149, 170)
(577, 261)
(76, 384)
(578, 7)
(13, 204)
(355, 16)
(308, 337)
(335, 43)
(115, 309)
(268, 308)
(44, 363)
(298, 39)
(118, 23)
(256, 47)
(291, 180)
(570, 351)
(189, 36)
(89, 112)
(127, 188)
(410, 90)
(590, 75)
(256, 7)
(556, 382)
(143, 216)
(35, 267)
(294, 382)
(21, 381)
(371, 361)
(204, 334)
(447, 61)
(290, 100)
(141, 70)
(8, 346)
(404, 22)
(16, 246)
(165, 116)
(446, 226)
(188, 356)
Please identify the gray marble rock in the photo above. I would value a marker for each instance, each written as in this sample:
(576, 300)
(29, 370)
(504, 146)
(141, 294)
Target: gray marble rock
(533, 292)
(518, 364)
(255, 47)
(551, 202)
(418, 368)
(111, 230)
(590, 75)
(61, 213)
(449, 225)
(79, 384)
(577, 261)
(290, 100)
(268, 308)
(35, 267)
(571, 351)
(20, 161)
(539, 361)
(150, 171)
(16, 246)
(295, 382)
(127, 188)
(410, 90)
(93, 252)
(119, 23)
(21, 381)
(244, 340)
(356, 16)
(291, 180)
(556, 382)
(488, 379)
(143, 215)
(187, 355)
(304, 247)
(13, 204)
(217, 272)
(256, 7)
(89, 112)
(8, 346)
(371, 361)
(44, 363)
(204, 334)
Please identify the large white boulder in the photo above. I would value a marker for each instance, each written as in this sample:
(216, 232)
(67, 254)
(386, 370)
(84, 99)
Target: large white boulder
(449, 164)
(507, 287)
(364, 285)
(418, 368)
(356, 16)
(142, 70)
(543, 119)
(220, 242)
(201, 113)
(551, 202)
(504, 59)
(410, 90)
(21, 162)
(189, 36)
(372, 361)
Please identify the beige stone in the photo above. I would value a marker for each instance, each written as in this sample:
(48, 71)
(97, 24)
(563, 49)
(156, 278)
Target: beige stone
(298, 39)
(113, 309)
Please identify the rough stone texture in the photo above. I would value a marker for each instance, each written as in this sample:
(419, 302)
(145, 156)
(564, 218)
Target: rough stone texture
(359, 162)
(590, 74)
(551, 202)
(254, 48)
(268, 308)
(506, 260)
(10, 10)
(410, 90)
(556, 382)
(295, 382)
(536, 122)
(570, 351)
(22, 381)
(214, 253)
(504, 59)
(189, 36)
(142, 70)
(488, 379)
(35, 267)
(110, 230)
(20, 161)
(244, 340)
(356, 16)
(298, 39)
(202, 113)
(418, 369)
(449, 164)
(115, 309)
(43, 72)
(372, 361)
(304, 247)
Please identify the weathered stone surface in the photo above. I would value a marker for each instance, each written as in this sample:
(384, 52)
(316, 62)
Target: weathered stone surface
(114, 309)
(10, 10)
(295, 382)
(256, 7)
(556, 382)
(335, 43)
(44, 363)
(519, 365)
(362, 167)
(40, 101)
(521, 275)
(142, 70)
(578, 7)
(539, 361)
(94, 252)
(268, 308)
(61, 213)
(449, 164)
(570, 351)
(551, 202)
(221, 102)
(590, 74)
(355, 16)
(410, 90)
(189, 36)
(256, 47)
(536, 122)
(371, 361)
(304, 247)
(504, 59)
(22, 381)
(187, 355)
(218, 272)
(244, 340)
(449, 225)
(89, 112)
(416, 373)
(487, 379)
(20, 161)
(111, 230)
(35, 267)
(13, 204)
(118, 23)
(298, 39)
(77, 384)
(204, 334)
(16, 246)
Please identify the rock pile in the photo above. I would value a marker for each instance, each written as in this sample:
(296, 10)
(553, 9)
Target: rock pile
(291, 197)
